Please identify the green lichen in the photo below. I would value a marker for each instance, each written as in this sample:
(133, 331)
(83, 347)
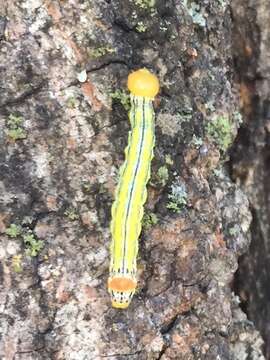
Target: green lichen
(163, 175)
(122, 97)
(196, 141)
(14, 231)
(17, 263)
(15, 128)
(218, 172)
(195, 12)
(71, 102)
(210, 107)
(160, 177)
(219, 131)
(141, 27)
(185, 114)
(168, 159)
(71, 214)
(149, 219)
(101, 51)
(145, 4)
(223, 3)
(238, 118)
(86, 186)
(177, 197)
(33, 245)
(16, 134)
(14, 121)
(234, 230)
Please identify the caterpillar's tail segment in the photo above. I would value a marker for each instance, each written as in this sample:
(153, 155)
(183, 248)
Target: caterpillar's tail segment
(122, 290)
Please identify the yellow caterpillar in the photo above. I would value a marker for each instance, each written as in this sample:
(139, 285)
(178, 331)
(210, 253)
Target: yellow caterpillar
(127, 209)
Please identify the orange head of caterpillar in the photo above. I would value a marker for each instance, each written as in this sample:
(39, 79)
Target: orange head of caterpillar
(143, 83)
(121, 289)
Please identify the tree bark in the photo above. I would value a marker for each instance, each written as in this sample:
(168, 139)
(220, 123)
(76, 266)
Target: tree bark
(63, 122)
(251, 156)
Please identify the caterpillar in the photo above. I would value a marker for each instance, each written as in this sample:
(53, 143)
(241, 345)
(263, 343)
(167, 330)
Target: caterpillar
(131, 193)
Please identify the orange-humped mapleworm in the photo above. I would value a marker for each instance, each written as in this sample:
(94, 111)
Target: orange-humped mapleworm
(131, 193)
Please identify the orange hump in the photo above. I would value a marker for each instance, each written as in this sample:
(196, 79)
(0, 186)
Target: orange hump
(121, 284)
(143, 83)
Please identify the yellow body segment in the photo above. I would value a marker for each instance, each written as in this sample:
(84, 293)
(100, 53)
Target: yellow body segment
(127, 209)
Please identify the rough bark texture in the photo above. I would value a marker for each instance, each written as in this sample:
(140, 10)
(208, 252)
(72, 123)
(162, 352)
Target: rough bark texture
(62, 141)
(251, 156)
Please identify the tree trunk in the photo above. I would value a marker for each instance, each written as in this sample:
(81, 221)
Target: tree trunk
(251, 156)
(63, 130)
